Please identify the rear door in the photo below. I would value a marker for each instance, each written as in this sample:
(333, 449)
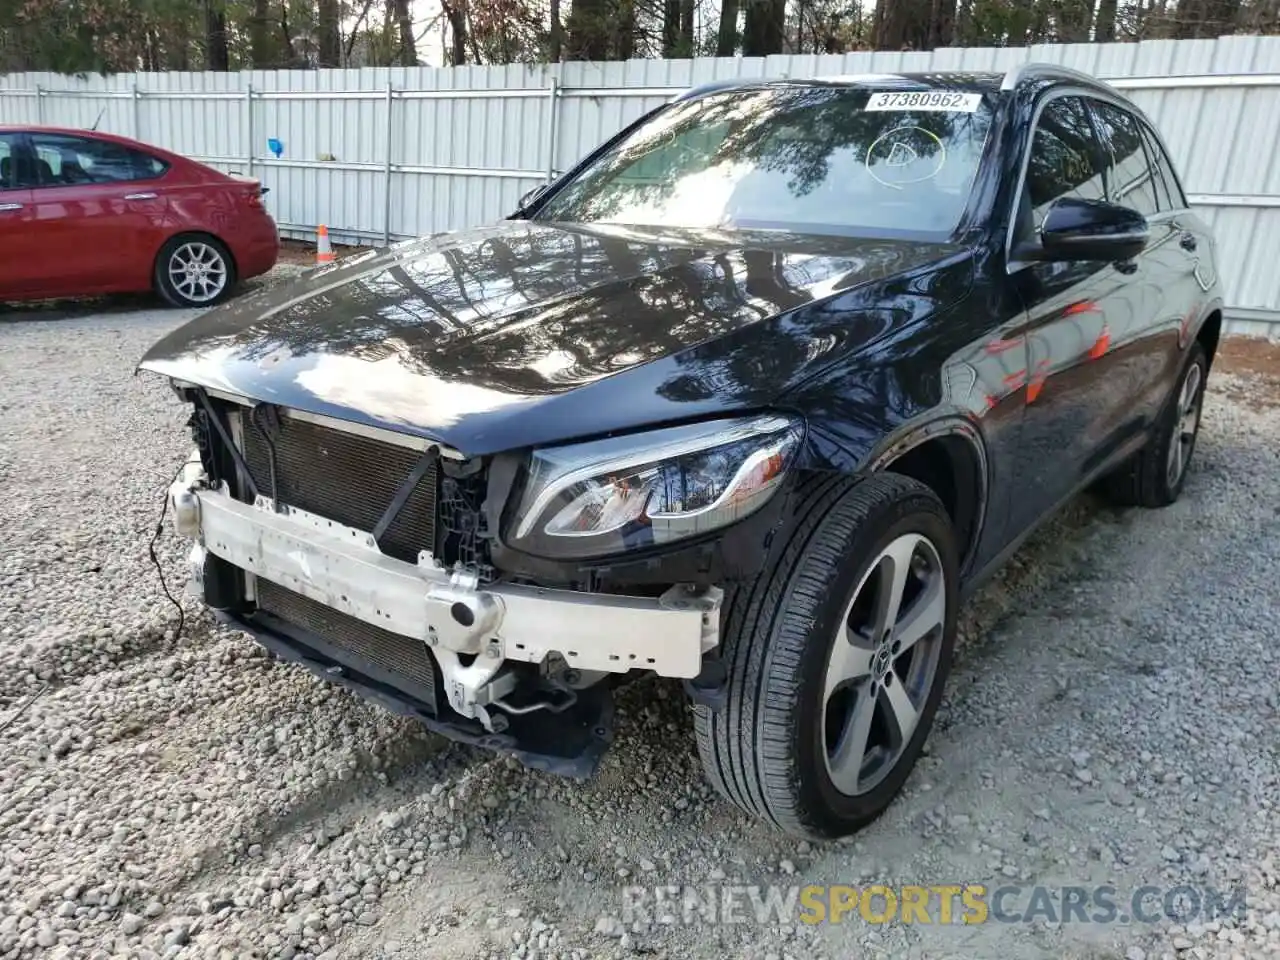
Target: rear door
(1145, 348)
(15, 263)
(97, 215)
(1195, 257)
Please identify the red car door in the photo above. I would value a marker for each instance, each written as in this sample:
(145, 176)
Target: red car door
(96, 216)
(14, 198)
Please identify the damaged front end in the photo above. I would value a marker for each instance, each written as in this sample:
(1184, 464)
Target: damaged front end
(368, 556)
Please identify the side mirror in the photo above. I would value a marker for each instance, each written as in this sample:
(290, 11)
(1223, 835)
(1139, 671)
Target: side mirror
(531, 196)
(1076, 230)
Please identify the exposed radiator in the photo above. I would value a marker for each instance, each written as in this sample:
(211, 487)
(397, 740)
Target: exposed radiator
(397, 660)
(348, 478)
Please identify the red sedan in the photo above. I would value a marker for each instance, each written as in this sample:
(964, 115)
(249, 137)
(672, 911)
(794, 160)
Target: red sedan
(84, 213)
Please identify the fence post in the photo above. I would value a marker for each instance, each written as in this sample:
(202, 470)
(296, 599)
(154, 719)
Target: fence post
(386, 174)
(137, 117)
(248, 126)
(39, 104)
(553, 97)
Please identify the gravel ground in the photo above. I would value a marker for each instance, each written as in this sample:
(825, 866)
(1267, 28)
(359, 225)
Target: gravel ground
(1112, 719)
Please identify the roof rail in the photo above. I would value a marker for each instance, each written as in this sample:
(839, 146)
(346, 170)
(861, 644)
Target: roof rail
(713, 86)
(1048, 71)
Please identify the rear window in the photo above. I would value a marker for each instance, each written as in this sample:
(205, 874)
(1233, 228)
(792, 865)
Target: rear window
(63, 160)
(807, 159)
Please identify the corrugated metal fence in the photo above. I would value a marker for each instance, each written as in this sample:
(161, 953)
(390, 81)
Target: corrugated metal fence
(380, 154)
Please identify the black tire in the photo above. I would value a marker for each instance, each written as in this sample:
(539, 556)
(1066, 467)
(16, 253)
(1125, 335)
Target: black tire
(1145, 479)
(765, 749)
(195, 294)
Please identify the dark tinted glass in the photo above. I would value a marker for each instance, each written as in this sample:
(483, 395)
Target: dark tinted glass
(8, 162)
(808, 159)
(1163, 200)
(1129, 173)
(1064, 161)
(66, 161)
(1175, 199)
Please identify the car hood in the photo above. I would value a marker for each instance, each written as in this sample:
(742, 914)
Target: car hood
(527, 333)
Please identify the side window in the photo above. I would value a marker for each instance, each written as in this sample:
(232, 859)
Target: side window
(14, 168)
(1129, 174)
(48, 165)
(66, 161)
(1157, 179)
(9, 179)
(1176, 199)
(1064, 162)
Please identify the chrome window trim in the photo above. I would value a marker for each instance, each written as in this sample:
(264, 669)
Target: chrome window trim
(1117, 236)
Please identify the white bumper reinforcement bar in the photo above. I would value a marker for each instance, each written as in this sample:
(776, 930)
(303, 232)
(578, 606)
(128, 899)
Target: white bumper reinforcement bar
(342, 568)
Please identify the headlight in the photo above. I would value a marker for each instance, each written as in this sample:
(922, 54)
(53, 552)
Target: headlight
(626, 493)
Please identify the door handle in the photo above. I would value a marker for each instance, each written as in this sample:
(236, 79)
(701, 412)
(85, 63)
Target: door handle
(140, 196)
(1187, 241)
(1199, 274)
(10, 206)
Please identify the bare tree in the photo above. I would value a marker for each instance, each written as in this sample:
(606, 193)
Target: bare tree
(727, 35)
(329, 37)
(590, 32)
(455, 12)
(1104, 24)
(260, 36)
(216, 54)
(557, 33)
(1075, 20)
(1206, 18)
(764, 27)
(670, 27)
(404, 27)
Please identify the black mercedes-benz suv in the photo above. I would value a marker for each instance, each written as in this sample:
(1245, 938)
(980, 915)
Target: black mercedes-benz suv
(753, 396)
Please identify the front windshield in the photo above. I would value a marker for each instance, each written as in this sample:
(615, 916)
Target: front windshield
(808, 159)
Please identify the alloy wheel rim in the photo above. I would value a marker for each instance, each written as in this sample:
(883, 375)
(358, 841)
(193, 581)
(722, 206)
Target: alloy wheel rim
(1186, 423)
(883, 663)
(198, 271)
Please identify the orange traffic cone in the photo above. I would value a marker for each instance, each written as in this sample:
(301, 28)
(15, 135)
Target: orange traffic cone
(324, 249)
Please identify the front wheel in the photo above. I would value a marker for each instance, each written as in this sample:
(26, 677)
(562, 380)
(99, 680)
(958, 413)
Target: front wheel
(194, 271)
(837, 656)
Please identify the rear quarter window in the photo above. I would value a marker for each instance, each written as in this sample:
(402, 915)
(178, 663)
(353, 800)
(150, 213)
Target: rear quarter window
(1175, 198)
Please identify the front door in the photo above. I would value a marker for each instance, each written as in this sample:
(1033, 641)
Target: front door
(1078, 405)
(96, 217)
(15, 263)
